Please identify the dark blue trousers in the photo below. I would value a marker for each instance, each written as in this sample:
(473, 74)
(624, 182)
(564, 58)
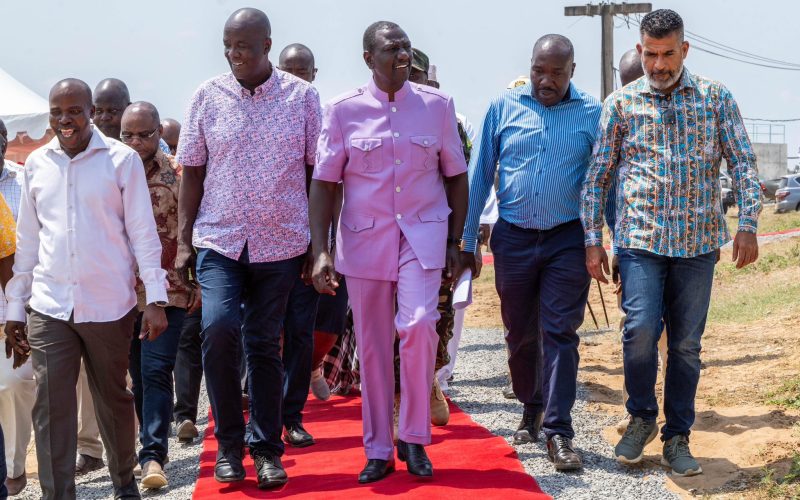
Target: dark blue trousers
(3, 472)
(298, 349)
(264, 289)
(543, 285)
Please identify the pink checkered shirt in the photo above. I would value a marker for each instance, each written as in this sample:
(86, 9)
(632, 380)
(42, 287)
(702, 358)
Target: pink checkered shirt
(255, 148)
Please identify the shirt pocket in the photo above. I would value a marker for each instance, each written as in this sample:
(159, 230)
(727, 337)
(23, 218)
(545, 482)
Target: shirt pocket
(424, 152)
(434, 215)
(357, 222)
(366, 154)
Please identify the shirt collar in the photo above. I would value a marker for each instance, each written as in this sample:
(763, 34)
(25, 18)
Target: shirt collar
(264, 88)
(572, 93)
(98, 141)
(383, 96)
(686, 81)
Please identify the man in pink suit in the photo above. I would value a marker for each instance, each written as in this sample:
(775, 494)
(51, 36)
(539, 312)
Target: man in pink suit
(395, 147)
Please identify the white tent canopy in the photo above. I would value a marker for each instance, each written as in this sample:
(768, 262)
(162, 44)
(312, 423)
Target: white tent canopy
(21, 109)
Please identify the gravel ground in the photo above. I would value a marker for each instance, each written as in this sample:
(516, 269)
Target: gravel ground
(480, 375)
(181, 470)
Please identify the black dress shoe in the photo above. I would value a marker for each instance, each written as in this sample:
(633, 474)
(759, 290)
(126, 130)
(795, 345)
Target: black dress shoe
(129, 492)
(229, 468)
(297, 436)
(269, 470)
(415, 458)
(375, 470)
(562, 454)
(529, 427)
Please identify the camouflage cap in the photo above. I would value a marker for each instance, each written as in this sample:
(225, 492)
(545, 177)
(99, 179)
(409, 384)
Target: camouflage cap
(419, 60)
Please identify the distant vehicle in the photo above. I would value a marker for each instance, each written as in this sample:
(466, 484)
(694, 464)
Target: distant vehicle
(726, 192)
(788, 194)
(769, 187)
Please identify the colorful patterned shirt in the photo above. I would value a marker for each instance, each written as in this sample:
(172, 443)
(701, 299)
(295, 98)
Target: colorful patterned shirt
(666, 151)
(8, 230)
(164, 183)
(255, 149)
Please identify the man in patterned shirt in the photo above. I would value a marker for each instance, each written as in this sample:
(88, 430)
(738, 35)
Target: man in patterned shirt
(664, 136)
(247, 148)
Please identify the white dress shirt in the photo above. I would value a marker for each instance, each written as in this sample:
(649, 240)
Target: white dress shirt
(11, 189)
(84, 224)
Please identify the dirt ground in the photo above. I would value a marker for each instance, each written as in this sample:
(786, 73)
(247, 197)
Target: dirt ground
(751, 347)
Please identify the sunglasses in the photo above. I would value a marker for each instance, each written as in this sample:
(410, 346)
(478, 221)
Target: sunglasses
(128, 137)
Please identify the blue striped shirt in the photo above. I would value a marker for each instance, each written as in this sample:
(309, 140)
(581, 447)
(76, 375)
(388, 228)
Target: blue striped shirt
(542, 153)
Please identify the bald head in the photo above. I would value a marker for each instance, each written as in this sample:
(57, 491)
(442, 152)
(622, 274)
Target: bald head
(552, 67)
(250, 18)
(630, 67)
(171, 132)
(111, 97)
(141, 130)
(142, 109)
(298, 60)
(74, 87)
(557, 45)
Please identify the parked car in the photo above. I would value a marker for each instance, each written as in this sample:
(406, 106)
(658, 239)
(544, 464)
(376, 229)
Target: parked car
(788, 194)
(769, 187)
(727, 197)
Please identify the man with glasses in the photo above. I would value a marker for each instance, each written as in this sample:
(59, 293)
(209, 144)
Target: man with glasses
(152, 360)
(663, 138)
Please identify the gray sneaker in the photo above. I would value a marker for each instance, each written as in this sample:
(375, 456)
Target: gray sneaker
(677, 456)
(630, 448)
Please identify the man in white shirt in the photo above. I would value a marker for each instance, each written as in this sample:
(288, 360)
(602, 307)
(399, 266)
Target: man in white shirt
(85, 223)
(16, 386)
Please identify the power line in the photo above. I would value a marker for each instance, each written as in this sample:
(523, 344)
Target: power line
(770, 120)
(744, 60)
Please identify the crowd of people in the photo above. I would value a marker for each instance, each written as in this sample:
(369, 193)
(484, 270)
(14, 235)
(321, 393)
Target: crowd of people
(275, 245)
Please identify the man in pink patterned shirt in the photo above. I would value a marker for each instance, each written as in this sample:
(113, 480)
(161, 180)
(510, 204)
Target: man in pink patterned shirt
(247, 149)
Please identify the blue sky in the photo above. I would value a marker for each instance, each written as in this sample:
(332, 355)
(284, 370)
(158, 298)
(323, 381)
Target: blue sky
(165, 49)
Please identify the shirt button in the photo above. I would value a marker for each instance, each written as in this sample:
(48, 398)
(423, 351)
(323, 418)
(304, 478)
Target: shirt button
(394, 109)
(396, 134)
(425, 142)
(398, 189)
(397, 161)
(399, 216)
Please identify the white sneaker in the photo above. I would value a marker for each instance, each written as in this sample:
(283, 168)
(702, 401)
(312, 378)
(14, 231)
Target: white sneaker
(319, 386)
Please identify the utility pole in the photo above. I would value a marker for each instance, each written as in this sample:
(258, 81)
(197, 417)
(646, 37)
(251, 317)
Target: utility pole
(607, 11)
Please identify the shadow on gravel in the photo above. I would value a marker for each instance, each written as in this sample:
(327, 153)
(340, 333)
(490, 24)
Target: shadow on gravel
(481, 347)
(490, 383)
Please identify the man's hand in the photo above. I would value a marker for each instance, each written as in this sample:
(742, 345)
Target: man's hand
(597, 263)
(466, 260)
(308, 267)
(185, 262)
(745, 249)
(452, 265)
(195, 300)
(17, 343)
(484, 233)
(154, 322)
(324, 275)
(478, 263)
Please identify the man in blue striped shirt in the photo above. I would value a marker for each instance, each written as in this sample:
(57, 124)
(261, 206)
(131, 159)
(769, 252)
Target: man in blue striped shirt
(541, 136)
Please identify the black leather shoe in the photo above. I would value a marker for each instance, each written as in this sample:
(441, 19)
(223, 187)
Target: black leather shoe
(229, 468)
(529, 427)
(297, 436)
(269, 470)
(562, 454)
(129, 492)
(415, 458)
(375, 470)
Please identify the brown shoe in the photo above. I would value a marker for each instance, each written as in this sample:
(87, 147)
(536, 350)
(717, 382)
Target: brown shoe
(15, 485)
(153, 477)
(561, 453)
(440, 411)
(86, 464)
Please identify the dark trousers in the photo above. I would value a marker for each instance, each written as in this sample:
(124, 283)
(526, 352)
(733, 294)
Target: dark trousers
(298, 349)
(151, 365)
(56, 350)
(3, 490)
(188, 369)
(264, 290)
(543, 285)
(679, 291)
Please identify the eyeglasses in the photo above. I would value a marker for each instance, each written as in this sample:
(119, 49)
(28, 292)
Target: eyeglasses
(128, 137)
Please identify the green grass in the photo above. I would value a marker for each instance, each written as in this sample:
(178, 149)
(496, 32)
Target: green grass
(757, 303)
(787, 486)
(773, 259)
(769, 221)
(787, 395)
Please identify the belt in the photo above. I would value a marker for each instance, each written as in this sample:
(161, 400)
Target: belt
(560, 227)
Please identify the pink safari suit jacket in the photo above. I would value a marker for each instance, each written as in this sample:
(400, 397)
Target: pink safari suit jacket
(391, 158)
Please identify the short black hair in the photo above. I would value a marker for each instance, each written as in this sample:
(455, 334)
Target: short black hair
(559, 40)
(371, 33)
(661, 23)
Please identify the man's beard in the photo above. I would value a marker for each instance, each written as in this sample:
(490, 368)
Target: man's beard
(661, 84)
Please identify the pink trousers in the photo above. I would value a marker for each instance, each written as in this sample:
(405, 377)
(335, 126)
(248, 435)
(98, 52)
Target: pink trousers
(375, 321)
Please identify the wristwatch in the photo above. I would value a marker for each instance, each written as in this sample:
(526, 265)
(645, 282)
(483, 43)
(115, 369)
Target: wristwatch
(160, 303)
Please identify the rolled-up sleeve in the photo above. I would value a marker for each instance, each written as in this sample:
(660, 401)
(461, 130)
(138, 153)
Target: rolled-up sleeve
(331, 155)
(451, 156)
(602, 169)
(313, 119)
(140, 226)
(192, 147)
(18, 289)
(741, 159)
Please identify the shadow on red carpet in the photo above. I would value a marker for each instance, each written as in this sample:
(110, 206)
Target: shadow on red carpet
(468, 460)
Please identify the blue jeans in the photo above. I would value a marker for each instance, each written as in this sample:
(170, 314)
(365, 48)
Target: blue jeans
(679, 291)
(151, 366)
(264, 289)
(543, 285)
(298, 349)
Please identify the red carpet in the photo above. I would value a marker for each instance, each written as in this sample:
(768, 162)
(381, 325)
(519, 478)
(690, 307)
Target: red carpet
(469, 462)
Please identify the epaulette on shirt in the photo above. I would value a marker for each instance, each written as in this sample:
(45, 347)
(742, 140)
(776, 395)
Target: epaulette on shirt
(430, 90)
(349, 95)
